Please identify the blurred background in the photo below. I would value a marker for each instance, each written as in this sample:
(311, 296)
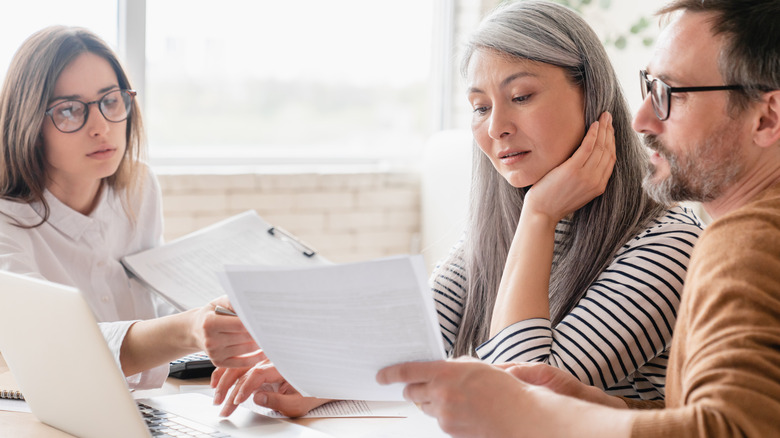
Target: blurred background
(343, 121)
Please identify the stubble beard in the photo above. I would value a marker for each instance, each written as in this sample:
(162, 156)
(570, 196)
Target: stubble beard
(701, 174)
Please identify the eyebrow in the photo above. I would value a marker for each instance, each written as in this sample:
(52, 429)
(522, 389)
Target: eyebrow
(663, 77)
(76, 96)
(509, 79)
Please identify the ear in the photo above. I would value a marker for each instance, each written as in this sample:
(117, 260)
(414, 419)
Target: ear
(768, 131)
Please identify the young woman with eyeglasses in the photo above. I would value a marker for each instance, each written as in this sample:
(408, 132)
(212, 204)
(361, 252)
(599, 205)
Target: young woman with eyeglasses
(75, 197)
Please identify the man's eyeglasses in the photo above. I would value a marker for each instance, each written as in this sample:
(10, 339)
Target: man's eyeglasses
(71, 115)
(661, 93)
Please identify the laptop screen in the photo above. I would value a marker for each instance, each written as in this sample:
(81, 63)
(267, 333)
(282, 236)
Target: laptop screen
(51, 342)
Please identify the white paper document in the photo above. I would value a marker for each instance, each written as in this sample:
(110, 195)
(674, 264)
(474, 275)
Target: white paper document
(184, 271)
(329, 329)
(334, 409)
(346, 409)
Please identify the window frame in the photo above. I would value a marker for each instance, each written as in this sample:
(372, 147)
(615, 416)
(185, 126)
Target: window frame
(131, 47)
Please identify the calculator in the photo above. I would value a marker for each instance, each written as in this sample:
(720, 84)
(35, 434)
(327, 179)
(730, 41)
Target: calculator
(191, 366)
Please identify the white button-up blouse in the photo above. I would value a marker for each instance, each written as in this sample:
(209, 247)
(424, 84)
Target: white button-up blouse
(84, 251)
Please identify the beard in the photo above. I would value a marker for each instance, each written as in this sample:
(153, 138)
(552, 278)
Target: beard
(700, 174)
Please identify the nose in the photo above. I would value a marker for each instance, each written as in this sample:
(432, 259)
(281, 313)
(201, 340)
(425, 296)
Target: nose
(645, 120)
(501, 123)
(96, 122)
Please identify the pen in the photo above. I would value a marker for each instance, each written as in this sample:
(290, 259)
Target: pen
(219, 310)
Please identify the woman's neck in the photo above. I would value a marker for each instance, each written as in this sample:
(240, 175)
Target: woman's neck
(80, 197)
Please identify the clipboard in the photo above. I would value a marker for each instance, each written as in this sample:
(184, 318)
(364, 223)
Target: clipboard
(184, 271)
(281, 233)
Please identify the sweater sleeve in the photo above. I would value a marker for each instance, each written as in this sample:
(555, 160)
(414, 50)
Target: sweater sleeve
(624, 320)
(724, 375)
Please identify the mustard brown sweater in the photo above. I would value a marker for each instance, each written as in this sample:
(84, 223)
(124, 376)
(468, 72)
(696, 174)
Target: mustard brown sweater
(724, 371)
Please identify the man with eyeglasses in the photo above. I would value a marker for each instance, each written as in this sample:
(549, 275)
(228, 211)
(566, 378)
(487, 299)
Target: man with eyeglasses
(711, 117)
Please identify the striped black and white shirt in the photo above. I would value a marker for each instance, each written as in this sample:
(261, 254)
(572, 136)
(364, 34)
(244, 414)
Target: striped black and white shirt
(617, 337)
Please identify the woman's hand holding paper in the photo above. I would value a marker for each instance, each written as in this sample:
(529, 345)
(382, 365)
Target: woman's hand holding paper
(268, 387)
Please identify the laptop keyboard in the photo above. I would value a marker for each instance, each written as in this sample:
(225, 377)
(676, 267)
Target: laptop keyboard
(166, 424)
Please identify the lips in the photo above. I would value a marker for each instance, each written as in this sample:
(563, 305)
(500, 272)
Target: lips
(102, 151)
(512, 154)
(651, 142)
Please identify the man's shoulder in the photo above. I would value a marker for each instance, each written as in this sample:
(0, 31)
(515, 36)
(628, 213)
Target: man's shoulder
(758, 219)
(747, 238)
(736, 263)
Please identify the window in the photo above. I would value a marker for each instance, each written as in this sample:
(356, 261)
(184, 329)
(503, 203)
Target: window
(300, 82)
(246, 81)
(25, 18)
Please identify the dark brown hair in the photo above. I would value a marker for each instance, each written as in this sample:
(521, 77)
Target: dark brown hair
(751, 55)
(27, 89)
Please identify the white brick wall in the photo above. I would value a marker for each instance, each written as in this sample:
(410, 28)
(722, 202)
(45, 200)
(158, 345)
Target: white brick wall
(346, 217)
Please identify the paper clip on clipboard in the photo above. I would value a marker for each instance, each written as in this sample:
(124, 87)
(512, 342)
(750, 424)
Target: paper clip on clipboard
(280, 233)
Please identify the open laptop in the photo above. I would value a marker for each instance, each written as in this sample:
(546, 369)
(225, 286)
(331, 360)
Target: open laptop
(51, 342)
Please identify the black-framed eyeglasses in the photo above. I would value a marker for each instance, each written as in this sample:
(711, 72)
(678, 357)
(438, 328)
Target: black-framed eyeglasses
(71, 115)
(661, 93)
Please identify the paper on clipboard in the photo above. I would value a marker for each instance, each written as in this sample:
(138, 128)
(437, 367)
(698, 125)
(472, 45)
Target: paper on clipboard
(183, 271)
(329, 329)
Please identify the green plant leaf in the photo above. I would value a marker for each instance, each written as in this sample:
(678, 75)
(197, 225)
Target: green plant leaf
(640, 25)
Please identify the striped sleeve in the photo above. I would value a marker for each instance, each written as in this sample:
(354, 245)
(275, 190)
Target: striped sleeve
(448, 284)
(624, 320)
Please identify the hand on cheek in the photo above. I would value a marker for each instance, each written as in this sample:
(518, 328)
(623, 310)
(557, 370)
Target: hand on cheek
(579, 179)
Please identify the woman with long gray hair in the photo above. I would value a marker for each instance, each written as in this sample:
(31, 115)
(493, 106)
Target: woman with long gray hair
(565, 259)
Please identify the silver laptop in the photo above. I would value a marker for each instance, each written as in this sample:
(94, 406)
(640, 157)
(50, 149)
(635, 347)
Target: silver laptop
(51, 342)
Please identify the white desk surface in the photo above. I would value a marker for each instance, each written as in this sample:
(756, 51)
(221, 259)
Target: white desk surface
(25, 425)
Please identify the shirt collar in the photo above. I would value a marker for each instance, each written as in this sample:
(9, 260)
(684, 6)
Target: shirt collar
(69, 221)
